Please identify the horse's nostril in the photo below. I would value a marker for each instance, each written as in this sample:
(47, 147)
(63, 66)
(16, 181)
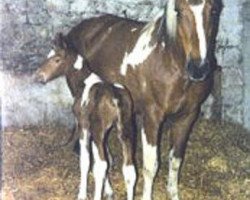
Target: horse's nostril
(198, 72)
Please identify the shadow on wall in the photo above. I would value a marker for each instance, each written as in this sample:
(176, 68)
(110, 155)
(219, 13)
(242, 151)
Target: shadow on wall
(26, 103)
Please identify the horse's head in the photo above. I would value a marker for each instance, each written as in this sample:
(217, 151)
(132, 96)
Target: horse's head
(193, 24)
(58, 62)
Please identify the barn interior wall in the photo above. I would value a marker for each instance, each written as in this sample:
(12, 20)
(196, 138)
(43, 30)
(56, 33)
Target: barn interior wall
(27, 28)
(246, 62)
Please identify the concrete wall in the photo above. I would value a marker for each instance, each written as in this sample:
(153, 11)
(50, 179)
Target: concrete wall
(27, 27)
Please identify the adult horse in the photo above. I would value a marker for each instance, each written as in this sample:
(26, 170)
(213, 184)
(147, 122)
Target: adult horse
(166, 64)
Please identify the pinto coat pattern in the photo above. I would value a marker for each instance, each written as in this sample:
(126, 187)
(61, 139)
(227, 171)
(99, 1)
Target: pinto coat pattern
(167, 67)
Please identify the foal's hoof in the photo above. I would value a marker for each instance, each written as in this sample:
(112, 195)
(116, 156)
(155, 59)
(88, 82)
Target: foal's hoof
(109, 197)
(173, 192)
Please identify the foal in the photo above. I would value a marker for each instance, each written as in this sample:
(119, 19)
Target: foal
(98, 107)
(105, 106)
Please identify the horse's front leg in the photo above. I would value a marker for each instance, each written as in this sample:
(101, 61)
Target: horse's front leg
(149, 137)
(179, 134)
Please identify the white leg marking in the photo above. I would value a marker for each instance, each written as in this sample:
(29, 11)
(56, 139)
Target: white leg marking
(84, 165)
(129, 175)
(150, 165)
(78, 63)
(198, 15)
(142, 48)
(51, 53)
(89, 82)
(108, 191)
(174, 166)
(99, 171)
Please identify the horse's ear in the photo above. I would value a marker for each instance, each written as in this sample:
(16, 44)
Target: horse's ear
(60, 41)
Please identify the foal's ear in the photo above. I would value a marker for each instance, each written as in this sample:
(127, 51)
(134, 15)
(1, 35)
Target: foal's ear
(60, 41)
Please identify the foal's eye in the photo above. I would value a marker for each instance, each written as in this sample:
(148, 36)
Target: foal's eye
(57, 60)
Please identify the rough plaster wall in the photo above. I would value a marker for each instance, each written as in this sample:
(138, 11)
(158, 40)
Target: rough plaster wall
(246, 62)
(26, 103)
(229, 55)
(28, 26)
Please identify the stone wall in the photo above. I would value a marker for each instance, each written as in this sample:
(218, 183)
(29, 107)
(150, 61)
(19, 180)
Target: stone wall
(229, 55)
(27, 26)
(246, 62)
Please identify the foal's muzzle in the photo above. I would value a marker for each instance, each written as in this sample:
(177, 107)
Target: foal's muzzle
(198, 71)
(40, 77)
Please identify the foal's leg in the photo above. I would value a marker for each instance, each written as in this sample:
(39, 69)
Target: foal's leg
(100, 163)
(108, 191)
(84, 164)
(149, 136)
(179, 136)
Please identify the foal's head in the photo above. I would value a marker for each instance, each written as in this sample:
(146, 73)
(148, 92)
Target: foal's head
(59, 61)
(193, 24)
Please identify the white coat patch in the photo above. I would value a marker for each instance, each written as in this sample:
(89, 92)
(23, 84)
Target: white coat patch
(89, 82)
(118, 85)
(133, 29)
(198, 15)
(78, 63)
(141, 50)
(51, 54)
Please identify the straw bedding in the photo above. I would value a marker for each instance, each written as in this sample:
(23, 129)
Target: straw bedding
(216, 167)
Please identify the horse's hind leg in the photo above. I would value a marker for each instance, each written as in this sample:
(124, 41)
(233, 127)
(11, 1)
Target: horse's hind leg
(84, 164)
(108, 191)
(125, 129)
(179, 135)
(100, 162)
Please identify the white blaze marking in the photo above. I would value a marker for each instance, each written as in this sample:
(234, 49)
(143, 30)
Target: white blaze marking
(118, 85)
(99, 172)
(198, 15)
(150, 165)
(51, 53)
(89, 82)
(174, 166)
(84, 165)
(171, 18)
(129, 175)
(141, 50)
(78, 63)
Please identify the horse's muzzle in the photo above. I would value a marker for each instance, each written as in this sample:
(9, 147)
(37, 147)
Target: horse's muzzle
(198, 72)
